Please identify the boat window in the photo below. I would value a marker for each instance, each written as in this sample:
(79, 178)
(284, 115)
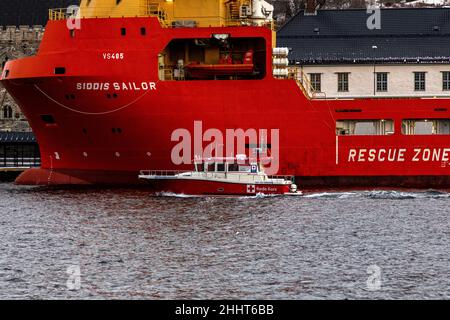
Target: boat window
(48, 119)
(364, 127)
(213, 59)
(233, 167)
(60, 70)
(211, 167)
(199, 167)
(220, 167)
(426, 127)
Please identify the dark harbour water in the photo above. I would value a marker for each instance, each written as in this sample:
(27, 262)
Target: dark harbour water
(126, 244)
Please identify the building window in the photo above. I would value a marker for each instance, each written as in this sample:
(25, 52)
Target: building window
(446, 80)
(419, 81)
(382, 81)
(342, 82)
(7, 112)
(316, 83)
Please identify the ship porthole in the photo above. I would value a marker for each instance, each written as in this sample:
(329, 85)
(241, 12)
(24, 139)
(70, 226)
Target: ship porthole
(117, 154)
(85, 154)
(220, 190)
(149, 154)
(60, 70)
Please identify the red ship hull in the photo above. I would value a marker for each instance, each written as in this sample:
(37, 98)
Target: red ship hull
(106, 136)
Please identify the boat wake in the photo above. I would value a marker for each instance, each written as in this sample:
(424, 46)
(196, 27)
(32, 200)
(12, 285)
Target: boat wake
(180, 195)
(174, 195)
(381, 194)
(331, 195)
(368, 194)
(261, 196)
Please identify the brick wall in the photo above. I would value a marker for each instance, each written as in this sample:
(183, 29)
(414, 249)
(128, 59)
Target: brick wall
(16, 42)
(21, 33)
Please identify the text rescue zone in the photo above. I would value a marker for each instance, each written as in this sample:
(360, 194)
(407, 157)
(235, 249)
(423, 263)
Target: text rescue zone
(399, 155)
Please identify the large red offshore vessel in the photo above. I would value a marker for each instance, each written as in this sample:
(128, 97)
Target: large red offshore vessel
(108, 90)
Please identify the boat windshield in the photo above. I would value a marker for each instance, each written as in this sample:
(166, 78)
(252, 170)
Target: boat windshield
(227, 167)
(199, 167)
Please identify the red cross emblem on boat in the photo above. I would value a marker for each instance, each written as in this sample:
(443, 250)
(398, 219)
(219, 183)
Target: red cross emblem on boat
(251, 188)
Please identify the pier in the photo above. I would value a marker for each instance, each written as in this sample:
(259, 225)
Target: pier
(18, 151)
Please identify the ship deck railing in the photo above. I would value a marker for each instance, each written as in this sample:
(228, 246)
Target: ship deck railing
(305, 84)
(218, 175)
(162, 173)
(151, 11)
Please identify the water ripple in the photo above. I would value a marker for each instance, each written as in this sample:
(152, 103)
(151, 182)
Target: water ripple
(128, 244)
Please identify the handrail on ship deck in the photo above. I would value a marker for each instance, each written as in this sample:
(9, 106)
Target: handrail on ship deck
(162, 173)
(173, 173)
(152, 10)
(304, 84)
(58, 14)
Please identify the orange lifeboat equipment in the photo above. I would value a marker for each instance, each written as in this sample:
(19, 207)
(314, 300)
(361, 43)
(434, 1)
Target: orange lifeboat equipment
(226, 59)
(248, 58)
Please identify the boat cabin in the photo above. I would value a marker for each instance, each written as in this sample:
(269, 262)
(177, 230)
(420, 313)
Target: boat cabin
(228, 165)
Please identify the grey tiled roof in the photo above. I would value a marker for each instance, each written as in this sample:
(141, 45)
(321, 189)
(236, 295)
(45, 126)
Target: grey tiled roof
(342, 36)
